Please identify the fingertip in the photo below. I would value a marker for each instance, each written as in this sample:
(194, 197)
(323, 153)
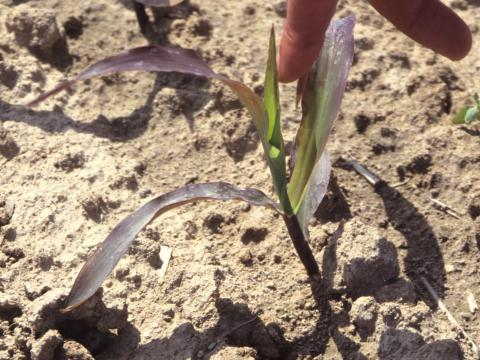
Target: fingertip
(286, 72)
(295, 58)
(303, 35)
(462, 46)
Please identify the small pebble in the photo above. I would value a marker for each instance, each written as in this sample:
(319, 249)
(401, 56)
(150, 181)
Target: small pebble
(472, 303)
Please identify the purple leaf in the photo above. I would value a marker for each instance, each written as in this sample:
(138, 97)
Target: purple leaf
(109, 252)
(147, 58)
(160, 3)
(166, 59)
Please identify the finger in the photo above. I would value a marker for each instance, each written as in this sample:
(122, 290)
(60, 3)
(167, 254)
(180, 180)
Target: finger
(302, 36)
(430, 23)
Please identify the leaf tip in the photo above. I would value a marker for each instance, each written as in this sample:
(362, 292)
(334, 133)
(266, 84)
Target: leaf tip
(272, 44)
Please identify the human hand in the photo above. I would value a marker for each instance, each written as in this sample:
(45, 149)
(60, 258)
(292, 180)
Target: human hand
(429, 22)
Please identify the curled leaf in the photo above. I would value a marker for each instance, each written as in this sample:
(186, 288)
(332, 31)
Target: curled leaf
(109, 252)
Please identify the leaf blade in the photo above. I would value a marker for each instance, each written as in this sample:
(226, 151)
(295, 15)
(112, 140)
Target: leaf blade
(472, 114)
(160, 3)
(321, 98)
(460, 116)
(316, 190)
(276, 152)
(109, 252)
(166, 59)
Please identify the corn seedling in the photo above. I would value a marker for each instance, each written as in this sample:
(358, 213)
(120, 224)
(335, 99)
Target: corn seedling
(299, 195)
(468, 113)
(139, 8)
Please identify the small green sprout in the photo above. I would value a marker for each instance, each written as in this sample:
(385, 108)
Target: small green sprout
(468, 114)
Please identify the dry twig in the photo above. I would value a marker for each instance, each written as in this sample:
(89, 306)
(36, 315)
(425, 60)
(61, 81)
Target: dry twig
(450, 317)
(444, 207)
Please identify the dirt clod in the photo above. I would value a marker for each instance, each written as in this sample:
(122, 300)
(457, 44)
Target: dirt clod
(34, 28)
(420, 164)
(254, 234)
(246, 257)
(44, 348)
(44, 312)
(72, 350)
(401, 290)
(234, 353)
(360, 261)
(9, 307)
(37, 29)
(364, 315)
(73, 27)
(7, 208)
(214, 222)
(361, 123)
(8, 75)
(96, 207)
(8, 146)
(71, 162)
(239, 139)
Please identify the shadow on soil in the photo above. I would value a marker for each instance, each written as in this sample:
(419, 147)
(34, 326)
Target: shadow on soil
(239, 326)
(424, 257)
(55, 121)
(191, 94)
(122, 128)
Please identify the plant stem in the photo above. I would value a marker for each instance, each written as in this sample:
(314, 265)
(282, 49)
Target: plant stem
(141, 14)
(301, 245)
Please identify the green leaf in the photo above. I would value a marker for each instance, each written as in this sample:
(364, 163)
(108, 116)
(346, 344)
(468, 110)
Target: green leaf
(321, 92)
(471, 115)
(459, 117)
(276, 150)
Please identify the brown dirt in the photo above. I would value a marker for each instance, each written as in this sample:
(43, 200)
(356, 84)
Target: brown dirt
(234, 289)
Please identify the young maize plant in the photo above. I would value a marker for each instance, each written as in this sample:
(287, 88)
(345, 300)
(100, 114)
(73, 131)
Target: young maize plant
(320, 91)
(139, 8)
(468, 114)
